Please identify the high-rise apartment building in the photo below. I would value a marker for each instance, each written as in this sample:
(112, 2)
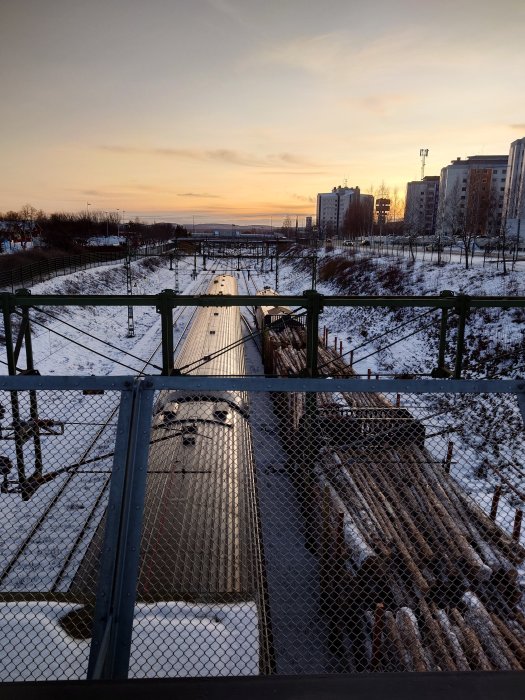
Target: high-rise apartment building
(421, 205)
(471, 195)
(514, 195)
(332, 208)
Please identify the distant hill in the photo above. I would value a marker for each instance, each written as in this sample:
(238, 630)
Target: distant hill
(203, 228)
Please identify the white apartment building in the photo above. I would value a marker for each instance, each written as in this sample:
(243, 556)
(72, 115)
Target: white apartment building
(333, 206)
(421, 205)
(471, 194)
(514, 196)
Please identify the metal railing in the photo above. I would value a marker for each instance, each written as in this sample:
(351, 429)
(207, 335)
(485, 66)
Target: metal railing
(331, 526)
(29, 275)
(447, 303)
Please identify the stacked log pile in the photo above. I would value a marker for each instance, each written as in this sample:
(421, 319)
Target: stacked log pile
(414, 575)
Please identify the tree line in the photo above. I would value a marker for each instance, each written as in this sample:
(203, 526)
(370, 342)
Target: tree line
(70, 231)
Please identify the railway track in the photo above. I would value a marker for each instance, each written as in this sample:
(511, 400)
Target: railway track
(60, 574)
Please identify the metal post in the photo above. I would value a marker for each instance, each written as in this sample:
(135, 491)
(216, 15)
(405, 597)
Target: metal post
(314, 307)
(441, 371)
(516, 529)
(176, 287)
(165, 309)
(117, 585)
(495, 501)
(129, 284)
(276, 269)
(462, 308)
(314, 271)
(33, 401)
(8, 308)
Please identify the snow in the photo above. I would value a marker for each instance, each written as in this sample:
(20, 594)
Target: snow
(487, 430)
(169, 639)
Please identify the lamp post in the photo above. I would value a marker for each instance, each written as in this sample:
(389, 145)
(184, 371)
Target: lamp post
(107, 227)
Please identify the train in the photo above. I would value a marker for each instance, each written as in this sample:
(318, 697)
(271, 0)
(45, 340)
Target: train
(414, 576)
(208, 548)
(201, 544)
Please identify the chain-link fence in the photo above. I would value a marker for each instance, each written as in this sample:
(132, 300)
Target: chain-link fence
(275, 531)
(56, 461)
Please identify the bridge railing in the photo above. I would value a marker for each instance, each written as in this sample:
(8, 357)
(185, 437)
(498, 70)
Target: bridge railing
(313, 526)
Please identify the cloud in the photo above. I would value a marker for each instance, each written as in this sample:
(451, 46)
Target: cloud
(218, 155)
(198, 194)
(381, 104)
(518, 127)
(296, 172)
(302, 198)
(314, 54)
(228, 8)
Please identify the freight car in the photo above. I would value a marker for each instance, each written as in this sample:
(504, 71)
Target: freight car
(414, 575)
(372, 420)
(272, 322)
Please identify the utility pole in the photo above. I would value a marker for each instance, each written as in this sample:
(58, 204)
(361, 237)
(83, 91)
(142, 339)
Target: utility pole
(423, 153)
(129, 287)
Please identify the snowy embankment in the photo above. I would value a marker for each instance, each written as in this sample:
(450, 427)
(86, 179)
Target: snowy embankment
(486, 431)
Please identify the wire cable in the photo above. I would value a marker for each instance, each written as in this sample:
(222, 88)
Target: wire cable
(381, 335)
(418, 330)
(208, 358)
(94, 337)
(61, 335)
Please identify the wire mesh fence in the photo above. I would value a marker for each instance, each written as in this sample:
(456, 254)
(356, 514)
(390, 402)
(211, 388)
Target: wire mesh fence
(56, 459)
(285, 532)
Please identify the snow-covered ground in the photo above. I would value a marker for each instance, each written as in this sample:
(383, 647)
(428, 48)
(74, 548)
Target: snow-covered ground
(487, 432)
(169, 639)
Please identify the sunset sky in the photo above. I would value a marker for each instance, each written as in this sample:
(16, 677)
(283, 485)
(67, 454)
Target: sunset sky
(242, 110)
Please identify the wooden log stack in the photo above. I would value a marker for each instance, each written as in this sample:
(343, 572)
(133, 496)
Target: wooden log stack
(415, 575)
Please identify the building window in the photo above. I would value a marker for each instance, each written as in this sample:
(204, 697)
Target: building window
(495, 172)
(463, 189)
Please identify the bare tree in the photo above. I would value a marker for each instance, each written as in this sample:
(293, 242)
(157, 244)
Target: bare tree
(397, 204)
(356, 220)
(287, 228)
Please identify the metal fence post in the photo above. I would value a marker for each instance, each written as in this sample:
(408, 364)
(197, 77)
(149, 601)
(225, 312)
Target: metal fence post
(165, 309)
(30, 368)
(462, 308)
(314, 306)
(521, 401)
(441, 371)
(117, 586)
(313, 309)
(8, 308)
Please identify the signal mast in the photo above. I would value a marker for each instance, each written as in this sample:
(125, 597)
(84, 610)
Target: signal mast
(423, 152)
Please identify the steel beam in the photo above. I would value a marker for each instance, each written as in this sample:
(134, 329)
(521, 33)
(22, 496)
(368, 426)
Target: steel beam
(117, 586)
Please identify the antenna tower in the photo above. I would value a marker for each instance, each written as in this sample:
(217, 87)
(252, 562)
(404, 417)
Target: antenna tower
(423, 152)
